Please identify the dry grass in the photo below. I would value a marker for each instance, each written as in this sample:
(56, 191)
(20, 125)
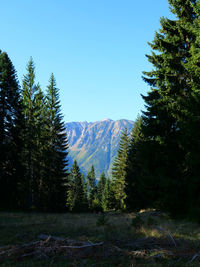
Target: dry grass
(145, 245)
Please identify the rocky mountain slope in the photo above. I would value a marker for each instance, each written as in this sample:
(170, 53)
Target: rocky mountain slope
(95, 143)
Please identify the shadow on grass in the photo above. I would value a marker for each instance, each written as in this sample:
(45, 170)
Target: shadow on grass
(124, 244)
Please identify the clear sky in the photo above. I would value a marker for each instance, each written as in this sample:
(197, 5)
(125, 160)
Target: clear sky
(95, 48)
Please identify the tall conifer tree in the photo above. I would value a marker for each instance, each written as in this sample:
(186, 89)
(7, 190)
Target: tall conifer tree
(92, 189)
(134, 188)
(108, 197)
(76, 195)
(11, 170)
(56, 177)
(119, 171)
(173, 108)
(30, 93)
(100, 188)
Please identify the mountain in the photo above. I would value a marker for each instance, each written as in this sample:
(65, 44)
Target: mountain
(95, 143)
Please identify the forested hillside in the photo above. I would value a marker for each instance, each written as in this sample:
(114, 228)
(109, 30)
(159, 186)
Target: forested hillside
(95, 143)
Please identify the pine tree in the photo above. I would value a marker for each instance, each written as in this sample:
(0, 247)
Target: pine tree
(56, 160)
(76, 197)
(119, 171)
(172, 116)
(92, 189)
(11, 121)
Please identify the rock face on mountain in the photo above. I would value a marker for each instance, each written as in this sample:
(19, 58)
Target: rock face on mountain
(95, 143)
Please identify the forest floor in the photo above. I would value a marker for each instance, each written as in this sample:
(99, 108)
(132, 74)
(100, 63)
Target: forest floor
(149, 238)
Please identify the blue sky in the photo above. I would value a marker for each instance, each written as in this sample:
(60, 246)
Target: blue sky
(95, 48)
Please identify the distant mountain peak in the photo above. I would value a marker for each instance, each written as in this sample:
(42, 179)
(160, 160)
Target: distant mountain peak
(106, 119)
(95, 143)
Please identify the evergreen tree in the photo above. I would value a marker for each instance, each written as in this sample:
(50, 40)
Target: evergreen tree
(119, 171)
(108, 197)
(31, 110)
(100, 189)
(85, 190)
(92, 189)
(56, 160)
(134, 187)
(11, 119)
(41, 147)
(76, 197)
(171, 153)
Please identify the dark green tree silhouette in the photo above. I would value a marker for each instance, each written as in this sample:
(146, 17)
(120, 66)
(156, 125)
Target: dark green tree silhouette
(76, 197)
(92, 189)
(11, 123)
(108, 198)
(30, 93)
(119, 171)
(170, 122)
(56, 151)
(134, 188)
(100, 189)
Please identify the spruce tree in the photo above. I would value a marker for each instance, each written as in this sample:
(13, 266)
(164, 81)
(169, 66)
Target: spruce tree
(76, 197)
(30, 93)
(119, 171)
(41, 145)
(92, 189)
(172, 115)
(11, 123)
(56, 160)
(85, 194)
(100, 189)
(134, 188)
(108, 197)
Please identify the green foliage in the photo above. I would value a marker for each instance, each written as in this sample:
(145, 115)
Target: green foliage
(119, 172)
(11, 125)
(164, 163)
(76, 197)
(31, 97)
(108, 198)
(56, 151)
(173, 108)
(100, 189)
(92, 188)
(32, 143)
(133, 180)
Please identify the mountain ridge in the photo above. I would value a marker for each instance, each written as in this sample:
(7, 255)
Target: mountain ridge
(95, 143)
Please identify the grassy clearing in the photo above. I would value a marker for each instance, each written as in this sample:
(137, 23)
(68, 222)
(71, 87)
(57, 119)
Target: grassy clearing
(126, 243)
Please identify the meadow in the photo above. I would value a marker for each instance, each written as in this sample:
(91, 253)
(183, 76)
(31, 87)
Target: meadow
(148, 238)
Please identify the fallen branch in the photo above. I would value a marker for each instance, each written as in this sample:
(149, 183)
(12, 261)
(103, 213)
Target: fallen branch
(84, 246)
